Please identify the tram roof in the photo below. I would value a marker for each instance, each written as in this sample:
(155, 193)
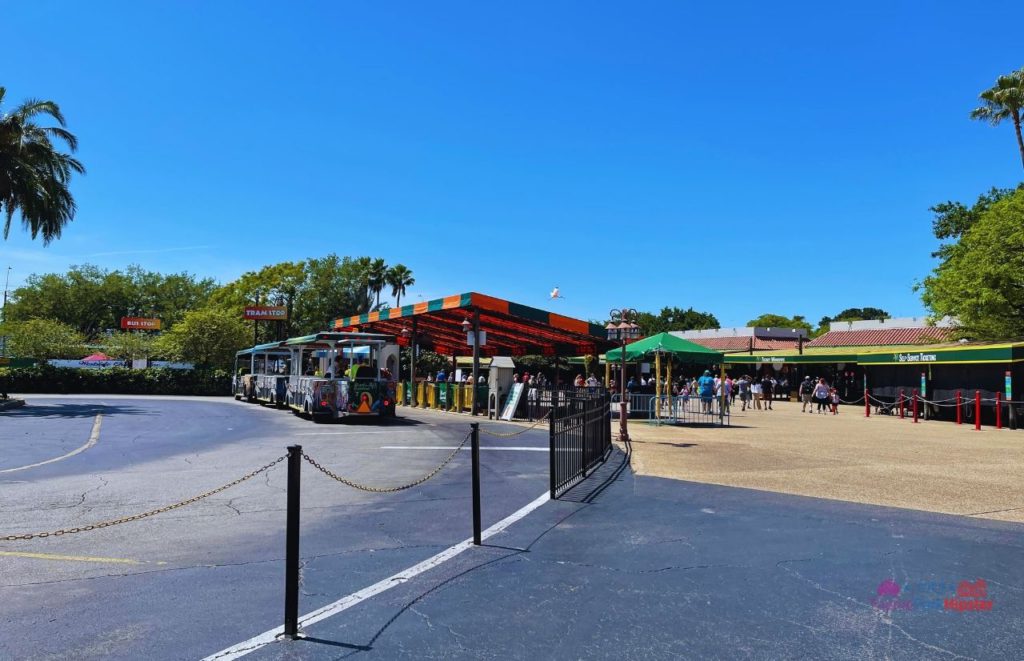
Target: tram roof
(512, 328)
(261, 347)
(336, 337)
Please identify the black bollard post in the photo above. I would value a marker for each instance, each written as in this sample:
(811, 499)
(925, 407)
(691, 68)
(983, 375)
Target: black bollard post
(291, 555)
(475, 447)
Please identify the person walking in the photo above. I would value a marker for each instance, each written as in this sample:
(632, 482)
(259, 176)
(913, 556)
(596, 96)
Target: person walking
(821, 395)
(806, 390)
(755, 393)
(767, 392)
(706, 388)
(834, 395)
(743, 386)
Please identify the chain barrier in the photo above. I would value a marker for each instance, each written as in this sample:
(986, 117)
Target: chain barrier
(517, 433)
(143, 515)
(363, 487)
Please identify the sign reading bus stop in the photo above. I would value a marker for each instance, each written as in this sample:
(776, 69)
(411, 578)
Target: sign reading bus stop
(140, 323)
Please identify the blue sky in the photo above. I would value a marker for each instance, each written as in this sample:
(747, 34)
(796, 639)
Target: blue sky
(739, 158)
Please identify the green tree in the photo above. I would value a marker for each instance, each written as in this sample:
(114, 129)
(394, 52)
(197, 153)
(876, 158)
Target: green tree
(208, 338)
(780, 321)
(952, 219)
(981, 279)
(377, 277)
(128, 345)
(399, 278)
(1004, 101)
(93, 300)
(853, 314)
(43, 339)
(34, 173)
(675, 319)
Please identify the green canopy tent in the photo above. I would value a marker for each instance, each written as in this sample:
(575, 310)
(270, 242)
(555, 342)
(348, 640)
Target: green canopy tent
(665, 343)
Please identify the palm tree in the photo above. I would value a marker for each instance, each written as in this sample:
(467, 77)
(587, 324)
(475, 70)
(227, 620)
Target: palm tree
(377, 276)
(399, 277)
(34, 173)
(1004, 101)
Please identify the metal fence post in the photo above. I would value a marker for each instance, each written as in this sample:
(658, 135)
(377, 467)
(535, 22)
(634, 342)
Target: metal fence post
(977, 410)
(291, 561)
(551, 439)
(475, 447)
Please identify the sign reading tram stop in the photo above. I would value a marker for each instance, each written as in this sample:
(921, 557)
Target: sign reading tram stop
(266, 312)
(140, 323)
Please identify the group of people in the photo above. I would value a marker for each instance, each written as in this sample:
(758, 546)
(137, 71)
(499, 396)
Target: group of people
(827, 398)
(443, 377)
(537, 380)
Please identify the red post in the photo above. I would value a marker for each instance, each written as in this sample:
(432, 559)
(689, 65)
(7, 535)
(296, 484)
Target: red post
(867, 404)
(915, 405)
(999, 412)
(901, 404)
(959, 409)
(977, 410)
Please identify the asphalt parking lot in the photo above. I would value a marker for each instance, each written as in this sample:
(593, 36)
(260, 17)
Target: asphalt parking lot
(623, 567)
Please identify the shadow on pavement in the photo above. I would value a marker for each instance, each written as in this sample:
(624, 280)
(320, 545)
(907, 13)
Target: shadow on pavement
(31, 410)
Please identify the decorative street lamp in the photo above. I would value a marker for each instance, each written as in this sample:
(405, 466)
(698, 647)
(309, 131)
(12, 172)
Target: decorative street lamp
(623, 327)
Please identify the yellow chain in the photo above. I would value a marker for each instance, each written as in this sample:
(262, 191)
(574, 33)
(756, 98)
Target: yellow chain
(143, 515)
(521, 431)
(362, 487)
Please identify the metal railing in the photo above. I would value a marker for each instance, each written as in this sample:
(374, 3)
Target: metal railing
(580, 436)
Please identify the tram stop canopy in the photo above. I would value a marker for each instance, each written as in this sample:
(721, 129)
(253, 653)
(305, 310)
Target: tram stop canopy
(667, 344)
(506, 328)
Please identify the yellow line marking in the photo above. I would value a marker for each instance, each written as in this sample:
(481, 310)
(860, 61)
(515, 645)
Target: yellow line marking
(74, 558)
(94, 437)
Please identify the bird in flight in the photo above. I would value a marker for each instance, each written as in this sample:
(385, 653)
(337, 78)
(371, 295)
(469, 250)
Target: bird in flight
(554, 294)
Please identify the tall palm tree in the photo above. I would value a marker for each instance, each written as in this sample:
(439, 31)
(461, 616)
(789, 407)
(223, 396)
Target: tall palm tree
(34, 173)
(377, 276)
(1004, 101)
(399, 277)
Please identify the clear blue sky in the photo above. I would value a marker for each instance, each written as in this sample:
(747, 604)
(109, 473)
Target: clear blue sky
(737, 157)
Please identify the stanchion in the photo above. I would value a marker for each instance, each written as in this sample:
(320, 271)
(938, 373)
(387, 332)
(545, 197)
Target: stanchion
(902, 408)
(291, 554)
(914, 395)
(551, 437)
(867, 404)
(977, 410)
(999, 412)
(959, 409)
(475, 447)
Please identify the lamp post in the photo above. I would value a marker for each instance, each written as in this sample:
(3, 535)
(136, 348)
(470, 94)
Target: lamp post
(623, 327)
(413, 337)
(3, 313)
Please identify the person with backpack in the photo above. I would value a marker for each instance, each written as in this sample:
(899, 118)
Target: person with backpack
(767, 392)
(806, 390)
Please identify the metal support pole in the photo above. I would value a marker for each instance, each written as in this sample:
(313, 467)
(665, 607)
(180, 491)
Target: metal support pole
(915, 405)
(977, 410)
(291, 555)
(867, 404)
(901, 404)
(475, 447)
(959, 409)
(476, 358)
(999, 411)
(623, 405)
(412, 365)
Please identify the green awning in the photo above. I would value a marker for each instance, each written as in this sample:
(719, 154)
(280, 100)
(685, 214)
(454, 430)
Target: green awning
(666, 343)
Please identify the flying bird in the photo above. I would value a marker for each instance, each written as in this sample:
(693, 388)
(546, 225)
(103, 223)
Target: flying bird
(554, 294)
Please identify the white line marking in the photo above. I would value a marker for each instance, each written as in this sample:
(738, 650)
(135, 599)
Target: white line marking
(94, 437)
(356, 598)
(409, 431)
(452, 447)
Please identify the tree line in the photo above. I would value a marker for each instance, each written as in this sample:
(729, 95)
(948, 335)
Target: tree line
(60, 315)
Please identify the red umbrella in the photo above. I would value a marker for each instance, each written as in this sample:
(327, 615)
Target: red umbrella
(96, 358)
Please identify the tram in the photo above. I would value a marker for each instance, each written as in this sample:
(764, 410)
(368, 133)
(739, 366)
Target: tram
(261, 374)
(336, 375)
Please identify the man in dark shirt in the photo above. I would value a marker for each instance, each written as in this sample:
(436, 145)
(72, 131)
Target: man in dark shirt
(767, 392)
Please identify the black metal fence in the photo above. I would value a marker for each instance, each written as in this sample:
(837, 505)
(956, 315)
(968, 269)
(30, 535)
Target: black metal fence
(580, 436)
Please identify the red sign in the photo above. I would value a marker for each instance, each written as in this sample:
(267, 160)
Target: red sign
(140, 323)
(271, 312)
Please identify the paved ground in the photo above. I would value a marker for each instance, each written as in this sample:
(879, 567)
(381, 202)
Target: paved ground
(624, 567)
(933, 466)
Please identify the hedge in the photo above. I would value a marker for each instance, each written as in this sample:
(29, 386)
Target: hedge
(114, 381)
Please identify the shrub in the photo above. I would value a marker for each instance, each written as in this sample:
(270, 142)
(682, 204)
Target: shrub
(114, 381)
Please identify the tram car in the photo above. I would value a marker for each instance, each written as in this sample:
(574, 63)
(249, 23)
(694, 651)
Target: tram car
(261, 374)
